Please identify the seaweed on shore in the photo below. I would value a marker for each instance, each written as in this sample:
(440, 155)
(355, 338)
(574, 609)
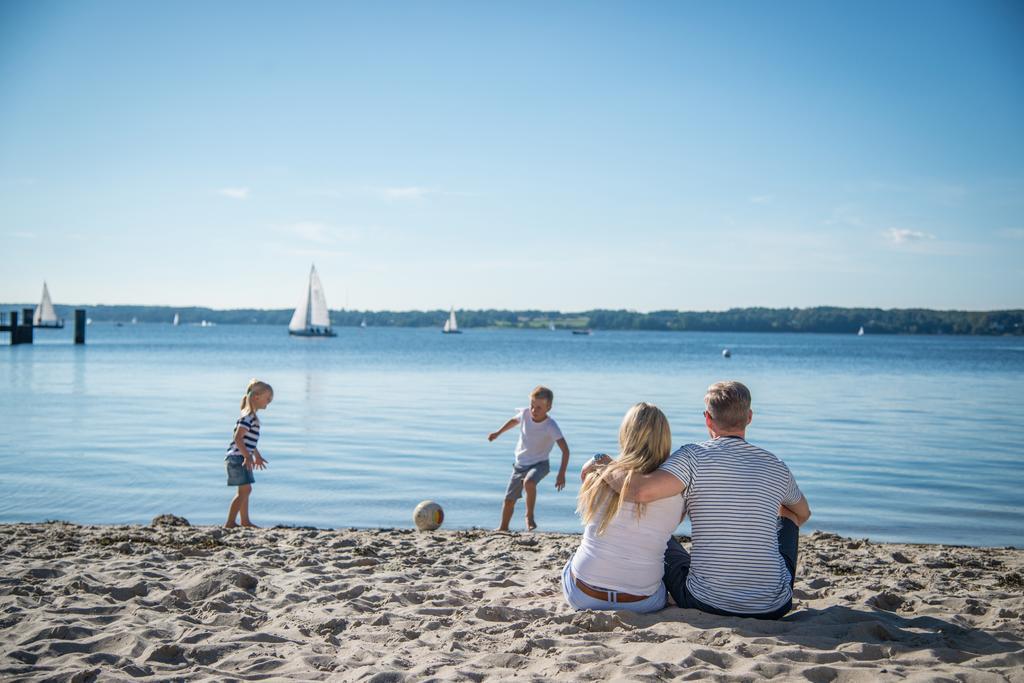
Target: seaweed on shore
(1013, 581)
(202, 542)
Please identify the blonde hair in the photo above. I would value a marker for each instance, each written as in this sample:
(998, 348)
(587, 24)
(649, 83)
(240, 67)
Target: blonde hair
(543, 393)
(728, 403)
(254, 387)
(644, 443)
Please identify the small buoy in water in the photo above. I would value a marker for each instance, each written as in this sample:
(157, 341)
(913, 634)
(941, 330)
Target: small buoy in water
(726, 353)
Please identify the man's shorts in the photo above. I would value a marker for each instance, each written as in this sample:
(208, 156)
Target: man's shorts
(238, 473)
(534, 473)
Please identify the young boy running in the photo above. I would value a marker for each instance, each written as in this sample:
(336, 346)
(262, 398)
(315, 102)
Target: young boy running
(538, 433)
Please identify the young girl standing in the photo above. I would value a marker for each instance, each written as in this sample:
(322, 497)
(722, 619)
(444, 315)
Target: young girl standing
(242, 456)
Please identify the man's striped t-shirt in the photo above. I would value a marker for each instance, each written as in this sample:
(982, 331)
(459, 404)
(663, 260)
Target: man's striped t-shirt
(251, 424)
(733, 492)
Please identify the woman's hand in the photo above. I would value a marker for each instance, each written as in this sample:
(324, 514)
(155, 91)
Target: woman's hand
(598, 461)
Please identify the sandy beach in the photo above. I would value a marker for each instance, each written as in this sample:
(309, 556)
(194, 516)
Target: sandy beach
(83, 603)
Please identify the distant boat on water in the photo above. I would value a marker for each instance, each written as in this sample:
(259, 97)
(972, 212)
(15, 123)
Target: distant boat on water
(363, 324)
(860, 332)
(45, 316)
(586, 331)
(451, 326)
(177, 320)
(311, 318)
(551, 326)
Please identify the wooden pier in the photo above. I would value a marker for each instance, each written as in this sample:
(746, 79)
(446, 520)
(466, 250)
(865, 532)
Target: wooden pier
(21, 330)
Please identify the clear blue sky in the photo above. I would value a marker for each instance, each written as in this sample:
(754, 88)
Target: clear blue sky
(514, 155)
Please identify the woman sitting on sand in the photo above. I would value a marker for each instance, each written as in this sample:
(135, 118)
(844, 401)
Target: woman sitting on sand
(620, 562)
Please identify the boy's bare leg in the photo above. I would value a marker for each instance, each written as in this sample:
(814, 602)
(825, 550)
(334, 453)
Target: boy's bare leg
(531, 499)
(233, 510)
(243, 504)
(506, 514)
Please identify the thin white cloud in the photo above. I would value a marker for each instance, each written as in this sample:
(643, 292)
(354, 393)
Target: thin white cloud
(15, 182)
(322, 233)
(762, 198)
(315, 254)
(940, 192)
(846, 215)
(234, 192)
(390, 193)
(900, 236)
(402, 194)
(312, 232)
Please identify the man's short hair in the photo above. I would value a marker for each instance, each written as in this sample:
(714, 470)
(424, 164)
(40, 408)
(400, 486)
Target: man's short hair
(544, 393)
(728, 403)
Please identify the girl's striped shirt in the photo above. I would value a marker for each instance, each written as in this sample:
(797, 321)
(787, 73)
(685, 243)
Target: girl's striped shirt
(251, 424)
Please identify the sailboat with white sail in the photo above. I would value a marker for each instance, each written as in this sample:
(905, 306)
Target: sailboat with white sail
(45, 316)
(311, 318)
(177, 320)
(451, 326)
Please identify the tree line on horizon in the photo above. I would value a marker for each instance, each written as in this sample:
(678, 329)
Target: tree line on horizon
(822, 319)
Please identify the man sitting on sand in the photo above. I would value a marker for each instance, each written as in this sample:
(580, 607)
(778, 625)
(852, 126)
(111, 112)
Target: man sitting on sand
(745, 508)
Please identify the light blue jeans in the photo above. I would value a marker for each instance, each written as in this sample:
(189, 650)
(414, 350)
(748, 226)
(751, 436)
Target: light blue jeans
(579, 600)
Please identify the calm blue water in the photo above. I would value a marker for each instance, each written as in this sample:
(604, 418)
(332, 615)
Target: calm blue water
(894, 438)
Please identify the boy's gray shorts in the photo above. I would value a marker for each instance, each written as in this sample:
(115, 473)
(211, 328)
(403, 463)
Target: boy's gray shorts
(534, 473)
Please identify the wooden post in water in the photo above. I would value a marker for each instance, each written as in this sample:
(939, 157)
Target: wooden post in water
(26, 328)
(27, 315)
(20, 334)
(79, 325)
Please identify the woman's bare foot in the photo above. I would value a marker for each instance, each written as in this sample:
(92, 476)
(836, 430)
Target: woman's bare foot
(230, 525)
(250, 525)
(531, 524)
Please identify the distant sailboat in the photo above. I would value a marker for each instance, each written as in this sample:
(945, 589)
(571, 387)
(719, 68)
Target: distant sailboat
(45, 316)
(311, 318)
(363, 324)
(551, 326)
(450, 325)
(177, 320)
(860, 332)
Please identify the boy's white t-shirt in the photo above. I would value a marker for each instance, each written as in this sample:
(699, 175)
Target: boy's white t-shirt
(536, 439)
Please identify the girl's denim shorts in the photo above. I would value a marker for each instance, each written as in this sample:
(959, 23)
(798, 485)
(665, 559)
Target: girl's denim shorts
(238, 474)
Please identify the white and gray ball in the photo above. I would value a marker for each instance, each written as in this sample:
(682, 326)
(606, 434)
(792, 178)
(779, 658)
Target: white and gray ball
(428, 516)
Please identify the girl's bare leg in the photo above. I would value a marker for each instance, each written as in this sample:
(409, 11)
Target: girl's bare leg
(243, 504)
(236, 503)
